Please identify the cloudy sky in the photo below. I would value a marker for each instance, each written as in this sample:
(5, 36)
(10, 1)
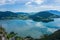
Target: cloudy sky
(29, 5)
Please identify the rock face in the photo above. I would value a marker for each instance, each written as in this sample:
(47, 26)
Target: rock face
(2, 34)
(2, 37)
(54, 36)
(28, 38)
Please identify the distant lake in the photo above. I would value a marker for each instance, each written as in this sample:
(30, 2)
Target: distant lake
(30, 27)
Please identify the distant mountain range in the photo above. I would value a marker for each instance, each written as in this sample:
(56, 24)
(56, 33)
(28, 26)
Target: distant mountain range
(55, 12)
(11, 15)
(44, 16)
(7, 15)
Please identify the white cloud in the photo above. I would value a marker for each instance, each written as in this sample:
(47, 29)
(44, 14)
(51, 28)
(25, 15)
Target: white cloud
(2, 2)
(38, 7)
(38, 1)
(57, 1)
(33, 5)
(47, 7)
(31, 8)
(10, 1)
(28, 3)
(51, 7)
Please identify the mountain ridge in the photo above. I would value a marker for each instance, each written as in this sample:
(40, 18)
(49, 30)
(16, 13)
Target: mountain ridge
(44, 16)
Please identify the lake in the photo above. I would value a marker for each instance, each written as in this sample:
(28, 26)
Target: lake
(30, 27)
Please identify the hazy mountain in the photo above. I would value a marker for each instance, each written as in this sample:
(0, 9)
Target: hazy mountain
(7, 15)
(44, 16)
(22, 13)
(55, 12)
(12, 15)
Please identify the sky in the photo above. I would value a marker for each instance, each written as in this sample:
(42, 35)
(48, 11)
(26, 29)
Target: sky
(29, 5)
